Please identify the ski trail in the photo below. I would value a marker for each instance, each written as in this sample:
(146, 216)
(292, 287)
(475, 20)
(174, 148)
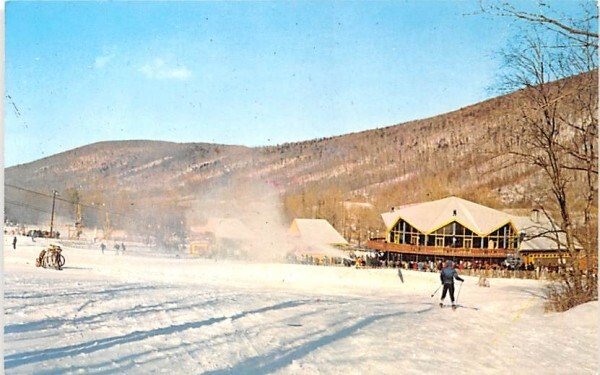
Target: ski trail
(515, 318)
(86, 304)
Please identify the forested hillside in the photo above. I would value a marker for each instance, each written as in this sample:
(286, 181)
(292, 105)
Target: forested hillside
(458, 153)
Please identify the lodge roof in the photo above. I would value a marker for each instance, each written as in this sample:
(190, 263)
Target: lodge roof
(541, 234)
(317, 232)
(430, 216)
(427, 217)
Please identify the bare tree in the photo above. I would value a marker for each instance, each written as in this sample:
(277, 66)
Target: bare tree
(579, 30)
(554, 63)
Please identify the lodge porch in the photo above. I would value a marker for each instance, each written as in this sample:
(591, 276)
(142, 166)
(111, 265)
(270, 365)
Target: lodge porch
(494, 255)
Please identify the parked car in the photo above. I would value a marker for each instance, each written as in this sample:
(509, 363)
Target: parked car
(512, 262)
(38, 233)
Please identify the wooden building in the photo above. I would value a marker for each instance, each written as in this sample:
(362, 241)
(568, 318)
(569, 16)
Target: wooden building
(543, 244)
(455, 228)
(219, 234)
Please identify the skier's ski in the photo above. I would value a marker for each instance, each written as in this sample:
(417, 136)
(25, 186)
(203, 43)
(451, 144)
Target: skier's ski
(468, 307)
(454, 307)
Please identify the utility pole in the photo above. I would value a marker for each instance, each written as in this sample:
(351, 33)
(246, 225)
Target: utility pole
(106, 224)
(78, 221)
(54, 194)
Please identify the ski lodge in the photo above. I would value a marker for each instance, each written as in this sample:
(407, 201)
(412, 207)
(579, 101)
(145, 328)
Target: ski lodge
(458, 229)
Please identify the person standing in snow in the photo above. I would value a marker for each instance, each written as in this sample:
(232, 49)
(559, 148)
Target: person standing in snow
(102, 247)
(447, 276)
(15, 243)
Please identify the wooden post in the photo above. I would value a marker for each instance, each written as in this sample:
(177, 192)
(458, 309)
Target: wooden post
(54, 194)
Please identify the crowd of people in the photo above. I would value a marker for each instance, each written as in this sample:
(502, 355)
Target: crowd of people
(116, 248)
(431, 266)
(469, 267)
(33, 233)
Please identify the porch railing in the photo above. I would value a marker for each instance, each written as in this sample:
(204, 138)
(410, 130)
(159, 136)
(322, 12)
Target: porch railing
(381, 245)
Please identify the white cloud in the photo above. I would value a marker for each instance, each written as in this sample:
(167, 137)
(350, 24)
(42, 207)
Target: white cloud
(158, 69)
(102, 60)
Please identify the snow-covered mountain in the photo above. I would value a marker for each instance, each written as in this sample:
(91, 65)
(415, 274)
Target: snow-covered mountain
(458, 153)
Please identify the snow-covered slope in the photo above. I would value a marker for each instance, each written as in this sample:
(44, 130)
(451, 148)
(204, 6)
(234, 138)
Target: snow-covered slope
(113, 314)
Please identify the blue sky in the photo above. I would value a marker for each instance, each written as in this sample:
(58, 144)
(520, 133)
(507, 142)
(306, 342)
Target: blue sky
(251, 73)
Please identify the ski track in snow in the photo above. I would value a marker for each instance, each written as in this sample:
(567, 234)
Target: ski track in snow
(131, 314)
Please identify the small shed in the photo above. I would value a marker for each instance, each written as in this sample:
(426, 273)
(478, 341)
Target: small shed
(219, 232)
(316, 232)
(319, 240)
(543, 242)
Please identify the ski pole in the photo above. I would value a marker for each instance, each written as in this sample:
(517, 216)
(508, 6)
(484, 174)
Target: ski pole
(459, 288)
(438, 288)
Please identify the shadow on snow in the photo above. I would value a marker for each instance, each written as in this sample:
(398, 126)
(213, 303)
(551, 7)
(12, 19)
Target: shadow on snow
(19, 359)
(277, 360)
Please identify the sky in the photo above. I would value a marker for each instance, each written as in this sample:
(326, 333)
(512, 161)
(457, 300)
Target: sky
(249, 73)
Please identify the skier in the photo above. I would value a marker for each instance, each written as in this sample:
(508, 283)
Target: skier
(447, 276)
(15, 243)
(102, 247)
(122, 248)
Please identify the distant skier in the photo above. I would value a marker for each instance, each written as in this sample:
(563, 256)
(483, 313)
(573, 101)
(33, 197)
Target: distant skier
(15, 243)
(447, 276)
(122, 248)
(117, 247)
(102, 247)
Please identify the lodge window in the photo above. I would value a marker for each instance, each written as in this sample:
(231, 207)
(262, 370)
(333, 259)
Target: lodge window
(439, 241)
(404, 233)
(430, 241)
(503, 238)
(455, 235)
(414, 240)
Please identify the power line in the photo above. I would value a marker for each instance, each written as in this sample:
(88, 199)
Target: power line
(36, 192)
(20, 204)
(68, 201)
(44, 195)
